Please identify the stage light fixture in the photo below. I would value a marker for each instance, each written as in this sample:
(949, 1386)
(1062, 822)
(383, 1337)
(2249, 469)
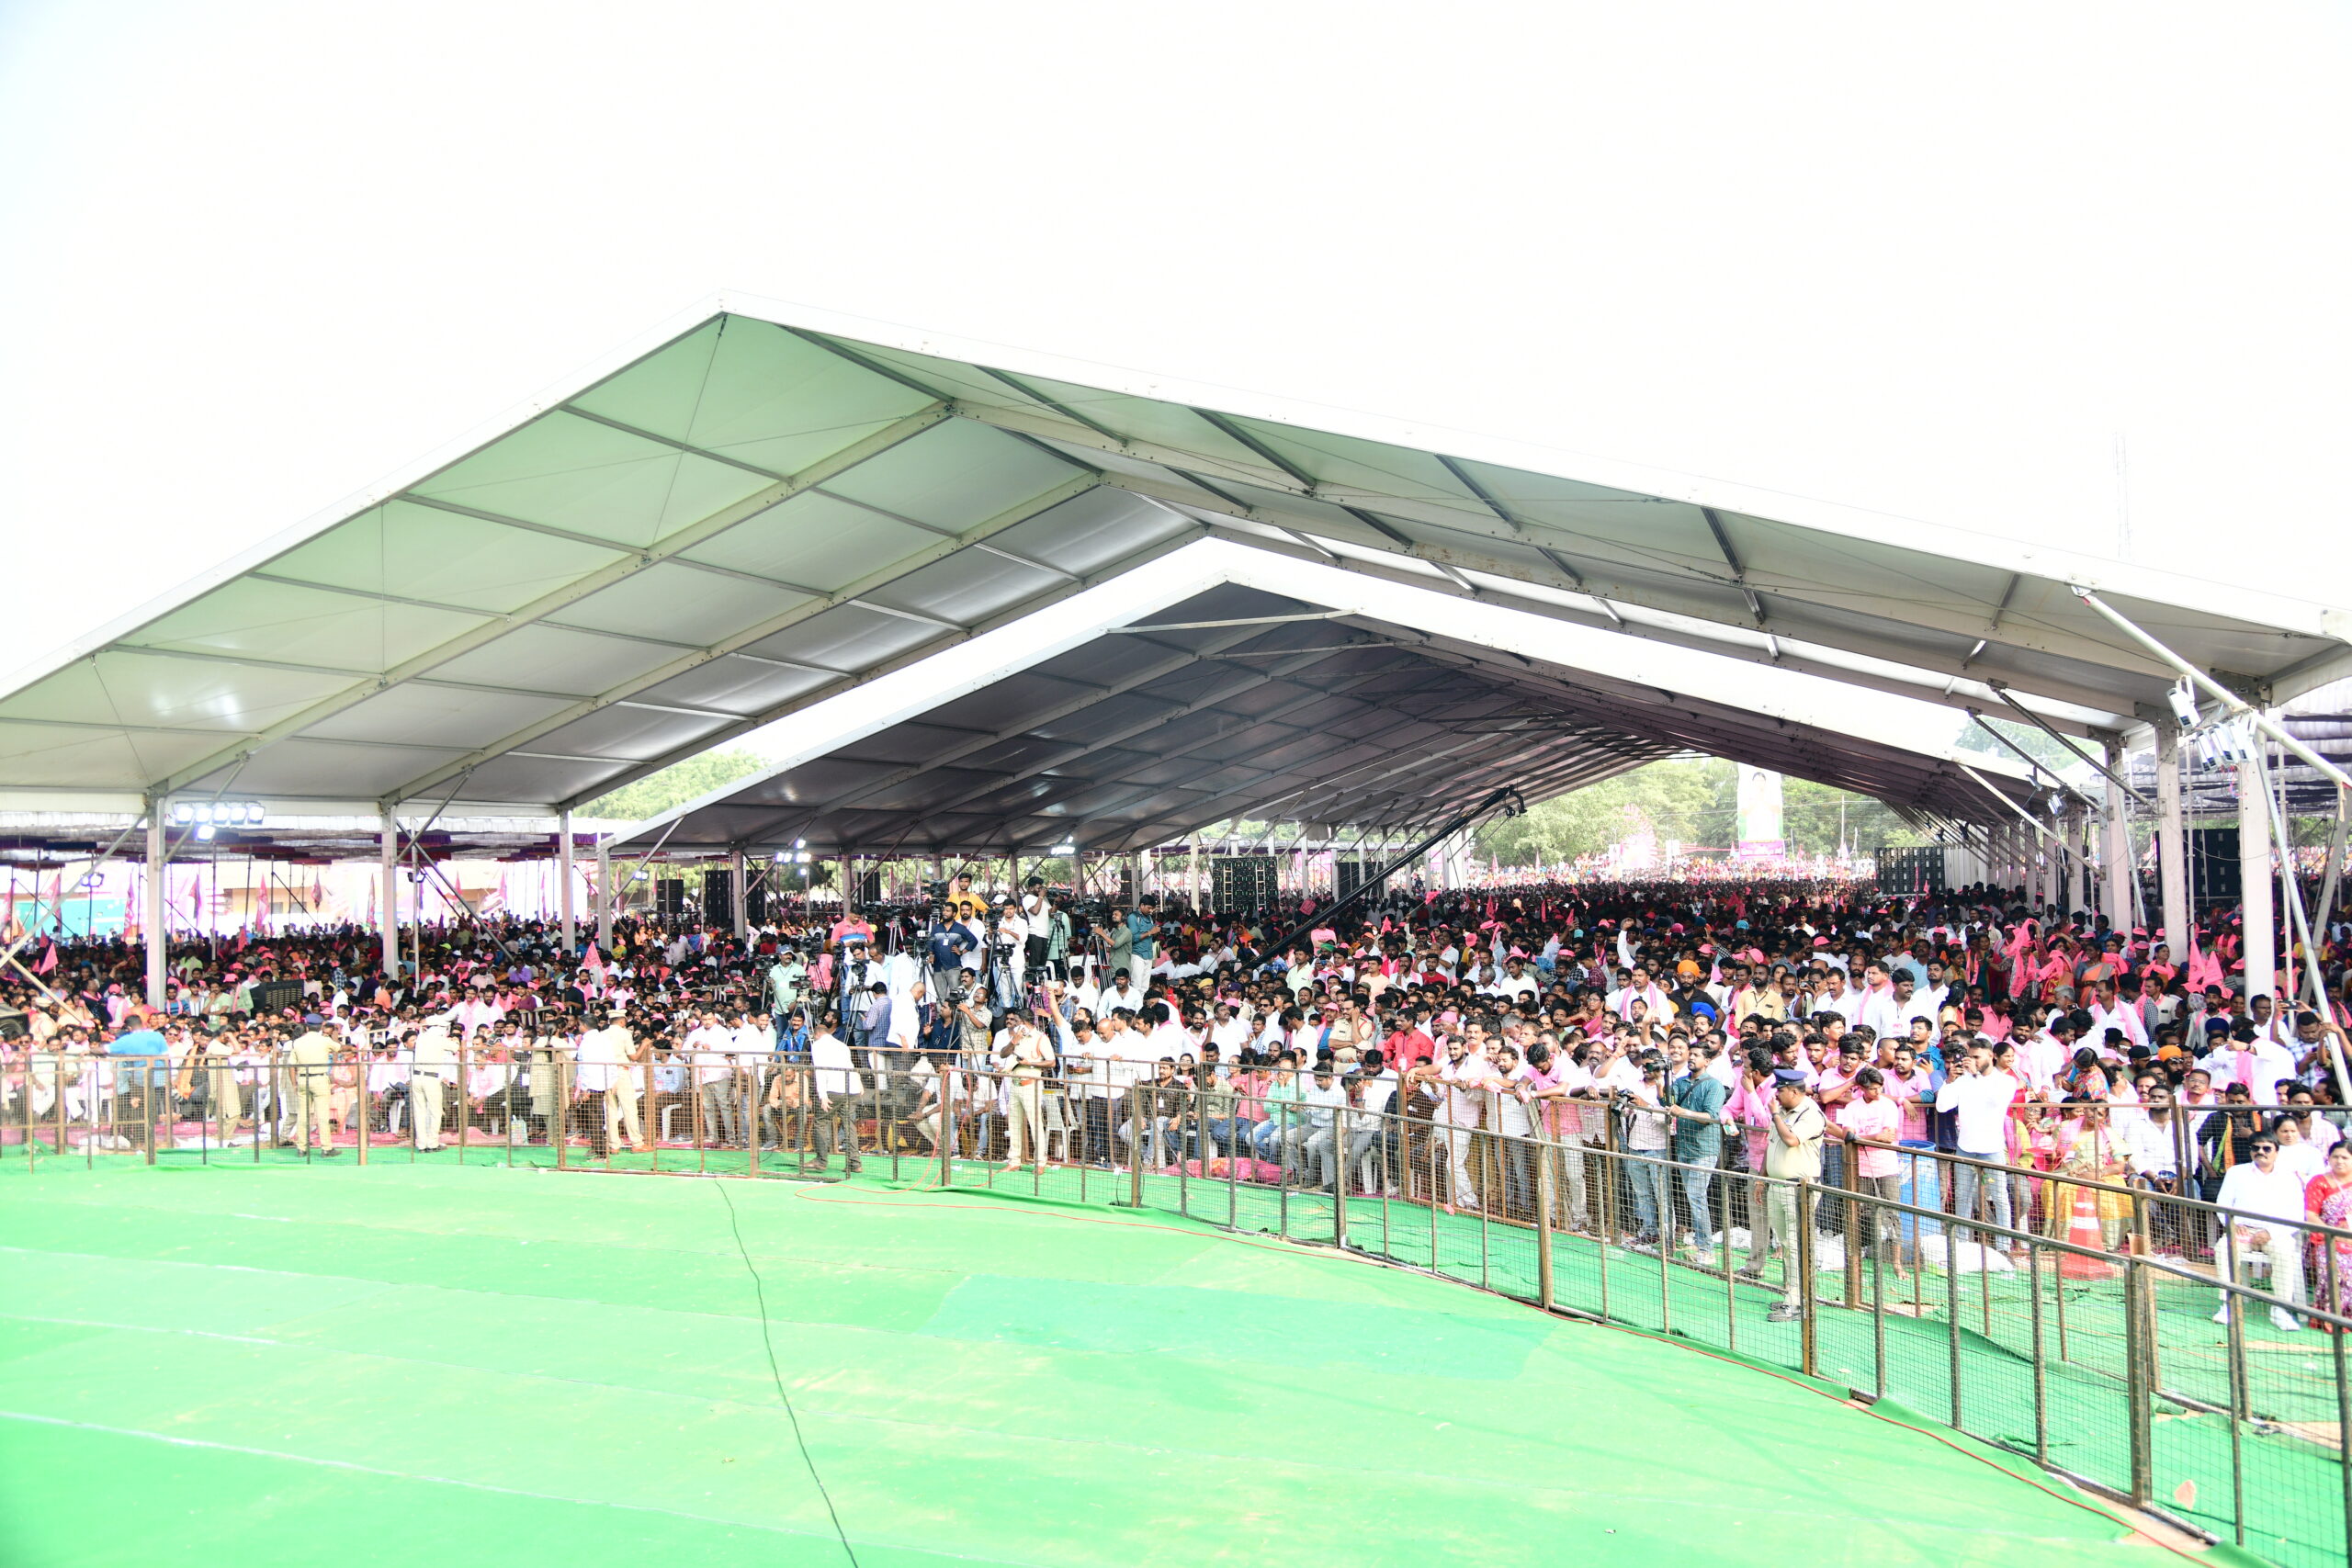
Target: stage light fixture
(2183, 697)
(183, 812)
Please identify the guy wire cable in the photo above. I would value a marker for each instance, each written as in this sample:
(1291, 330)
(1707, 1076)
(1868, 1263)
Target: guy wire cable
(767, 1340)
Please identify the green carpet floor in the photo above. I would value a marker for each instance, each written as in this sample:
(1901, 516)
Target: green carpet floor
(426, 1362)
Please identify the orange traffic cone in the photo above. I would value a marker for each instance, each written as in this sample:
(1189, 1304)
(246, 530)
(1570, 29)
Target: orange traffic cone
(2082, 1231)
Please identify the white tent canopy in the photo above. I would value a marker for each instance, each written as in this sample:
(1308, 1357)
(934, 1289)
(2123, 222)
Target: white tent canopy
(768, 509)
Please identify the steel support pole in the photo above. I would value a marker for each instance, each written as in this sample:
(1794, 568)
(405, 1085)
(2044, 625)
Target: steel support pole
(566, 873)
(737, 895)
(2333, 874)
(2254, 884)
(2115, 850)
(2074, 832)
(387, 895)
(2172, 843)
(158, 912)
(604, 895)
(1194, 876)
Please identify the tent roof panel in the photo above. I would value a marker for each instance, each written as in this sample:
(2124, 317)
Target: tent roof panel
(1373, 720)
(840, 499)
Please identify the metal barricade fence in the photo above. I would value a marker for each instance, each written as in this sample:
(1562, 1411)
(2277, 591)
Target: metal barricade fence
(2069, 1319)
(2075, 1346)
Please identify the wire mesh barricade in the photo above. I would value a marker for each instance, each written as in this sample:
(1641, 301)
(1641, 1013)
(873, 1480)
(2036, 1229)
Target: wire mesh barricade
(2053, 1324)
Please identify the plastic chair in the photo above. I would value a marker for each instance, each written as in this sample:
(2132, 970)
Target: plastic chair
(1057, 1126)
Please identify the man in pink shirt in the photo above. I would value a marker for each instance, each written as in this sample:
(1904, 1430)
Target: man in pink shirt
(1750, 1107)
(1871, 1125)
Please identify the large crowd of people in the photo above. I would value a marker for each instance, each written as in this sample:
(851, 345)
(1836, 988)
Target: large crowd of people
(1619, 1057)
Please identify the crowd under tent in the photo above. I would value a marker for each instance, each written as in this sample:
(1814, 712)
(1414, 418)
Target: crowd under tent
(760, 510)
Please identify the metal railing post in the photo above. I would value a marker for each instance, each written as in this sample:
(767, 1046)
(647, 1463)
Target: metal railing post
(695, 1082)
(948, 1131)
(1951, 1312)
(2331, 1277)
(2041, 1362)
(1543, 1156)
(2235, 1308)
(1140, 1130)
(1486, 1224)
(1340, 1134)
(1878, 1304)
(1608, 1214)
(1731, 1279)
(1668, 1181)
(745, 1083)
(1183, 1181)
(1850, 1174)
(559, 1124)
(1233, 1157)
(2139, 1390)
(1801, 1259)
(1281, 1165)
(1608, 1188)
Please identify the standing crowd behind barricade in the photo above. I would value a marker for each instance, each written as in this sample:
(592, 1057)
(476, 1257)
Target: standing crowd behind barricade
(1966, 1055)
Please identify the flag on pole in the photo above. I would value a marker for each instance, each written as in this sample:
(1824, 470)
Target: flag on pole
(48, 959)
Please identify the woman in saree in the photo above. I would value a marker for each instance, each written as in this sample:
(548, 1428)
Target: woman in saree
(2328, 1200)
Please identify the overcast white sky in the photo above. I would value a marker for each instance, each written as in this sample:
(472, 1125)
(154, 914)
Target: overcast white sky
(1931, 259)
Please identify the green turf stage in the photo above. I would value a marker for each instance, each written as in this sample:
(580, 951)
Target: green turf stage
(427, 1363)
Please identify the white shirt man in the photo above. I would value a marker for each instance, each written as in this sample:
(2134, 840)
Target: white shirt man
(752, 1039)
(1515, 983)
(829, 1054)
(1504, 1111)
(2268, 1067)
(2148, 1146)
(1981, 1102)
(2122, 1015)
(1841, 998)
(1880, 1010)
(2041, 1057)
(2264, 1203)
(1658, 1007)
(602, 1055)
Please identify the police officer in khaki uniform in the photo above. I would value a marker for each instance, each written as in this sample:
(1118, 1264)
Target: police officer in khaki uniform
(625, 1057)
(308, 1061)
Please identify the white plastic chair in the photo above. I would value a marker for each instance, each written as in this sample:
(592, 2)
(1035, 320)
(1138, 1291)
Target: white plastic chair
(1057, 1126)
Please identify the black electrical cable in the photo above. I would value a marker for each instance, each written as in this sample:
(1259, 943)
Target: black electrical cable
(767, 1339)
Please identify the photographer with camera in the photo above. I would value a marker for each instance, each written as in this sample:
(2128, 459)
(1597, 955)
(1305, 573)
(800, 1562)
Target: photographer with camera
(1648, 1138)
